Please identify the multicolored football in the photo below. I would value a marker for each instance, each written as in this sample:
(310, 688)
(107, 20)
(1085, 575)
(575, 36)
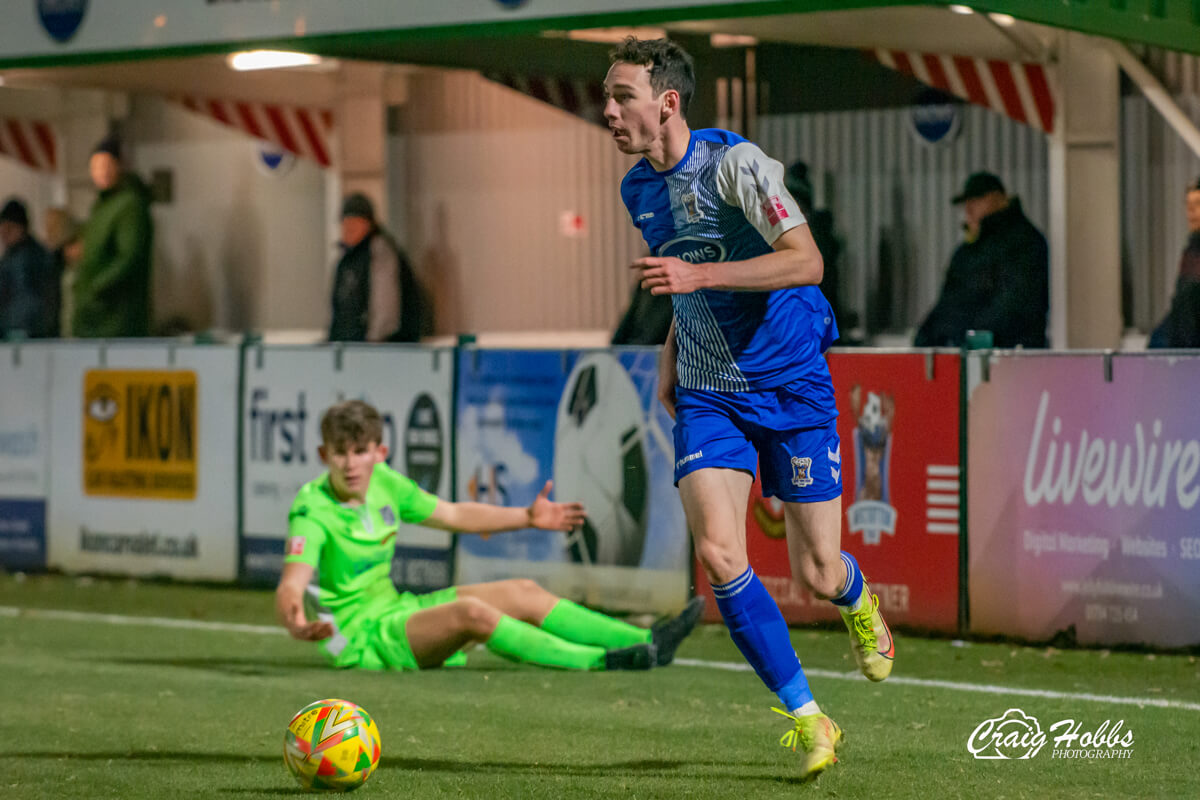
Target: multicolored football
(331, 745)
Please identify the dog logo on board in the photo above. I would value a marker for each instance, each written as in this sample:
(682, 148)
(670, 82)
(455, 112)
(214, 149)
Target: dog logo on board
(872, 513)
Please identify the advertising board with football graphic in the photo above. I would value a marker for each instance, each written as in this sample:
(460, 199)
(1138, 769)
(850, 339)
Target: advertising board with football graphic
(590, 421)
(898, 421)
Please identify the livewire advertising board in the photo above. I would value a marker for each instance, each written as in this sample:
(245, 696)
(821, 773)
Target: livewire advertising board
(24, 454)
(144, 457)
(590, 421)
(288, 389)
(898, 421)
(1083, 499)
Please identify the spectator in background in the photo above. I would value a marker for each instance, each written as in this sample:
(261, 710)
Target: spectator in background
(820, 224)
(111, 290)
(28, 289)
(1181, 327)
(376, 297)
(998, 279)
(61, 232)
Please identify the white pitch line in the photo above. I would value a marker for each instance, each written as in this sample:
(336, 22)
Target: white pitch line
(981, 688)
(729, 666)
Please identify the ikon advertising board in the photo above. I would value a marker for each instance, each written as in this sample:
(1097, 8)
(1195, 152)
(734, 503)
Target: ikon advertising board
(1083, 499)
(287, 389)
(143, 444)
(590, 421)
(24, 454)
(898, 421)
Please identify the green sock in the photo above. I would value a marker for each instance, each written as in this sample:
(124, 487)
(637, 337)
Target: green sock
(520, 641)
(575, 623)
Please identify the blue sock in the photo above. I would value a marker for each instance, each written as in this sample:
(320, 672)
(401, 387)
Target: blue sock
(758, 630)
(854, 582)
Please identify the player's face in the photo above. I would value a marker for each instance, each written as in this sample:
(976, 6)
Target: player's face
(351, 466)
(634, 114)
(1193, 211)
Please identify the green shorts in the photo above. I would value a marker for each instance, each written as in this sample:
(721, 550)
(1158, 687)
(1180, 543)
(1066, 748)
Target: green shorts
(379, 639)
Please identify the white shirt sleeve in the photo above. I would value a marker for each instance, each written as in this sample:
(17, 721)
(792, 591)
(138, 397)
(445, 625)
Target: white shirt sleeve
(749, 179)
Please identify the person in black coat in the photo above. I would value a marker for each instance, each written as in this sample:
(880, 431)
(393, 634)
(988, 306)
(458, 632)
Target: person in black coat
(999, 277)
(29, 291)
(1181, 328)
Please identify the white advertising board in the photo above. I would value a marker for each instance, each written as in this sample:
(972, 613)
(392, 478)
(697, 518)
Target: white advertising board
(144, 460)
(286, 391)
(40, 28)
(24, 454)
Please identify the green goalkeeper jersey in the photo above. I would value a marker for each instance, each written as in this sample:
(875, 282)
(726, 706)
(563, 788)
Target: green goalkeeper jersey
(352, 546)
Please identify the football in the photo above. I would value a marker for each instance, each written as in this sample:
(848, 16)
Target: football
(331, 745)
(600, 460)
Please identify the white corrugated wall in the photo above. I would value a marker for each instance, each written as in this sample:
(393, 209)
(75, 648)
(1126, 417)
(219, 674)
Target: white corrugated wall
(489, 175)
(1156, 167)
(885, 185)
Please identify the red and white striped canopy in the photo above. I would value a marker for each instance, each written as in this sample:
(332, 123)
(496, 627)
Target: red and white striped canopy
(1019, 90)
(299, 130)
(32, 142)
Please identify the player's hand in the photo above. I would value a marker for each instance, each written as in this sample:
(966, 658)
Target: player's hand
(669, 275)
(300, 628)
(548, 515)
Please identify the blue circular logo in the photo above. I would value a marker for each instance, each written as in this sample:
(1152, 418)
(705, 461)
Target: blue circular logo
(511, 4)
(934, 120)
(274, 160)
(61, 18)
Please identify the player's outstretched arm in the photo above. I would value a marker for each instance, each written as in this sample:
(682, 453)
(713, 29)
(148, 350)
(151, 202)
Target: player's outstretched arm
(542, 513)
(289, 605)
(795, 262)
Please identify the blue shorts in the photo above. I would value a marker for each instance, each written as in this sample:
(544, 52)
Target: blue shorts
(795, 448)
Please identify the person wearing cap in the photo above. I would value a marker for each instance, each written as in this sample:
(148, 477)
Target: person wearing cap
(375, 294)
(111, 290)
(28, 291)
(1181, 327)
(999, 277)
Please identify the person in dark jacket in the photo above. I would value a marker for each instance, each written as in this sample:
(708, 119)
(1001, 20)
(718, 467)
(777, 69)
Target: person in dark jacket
(820, 224)
(112, 279)
(376, 297)
(999, 277)
(1181, 327)
(28, 287)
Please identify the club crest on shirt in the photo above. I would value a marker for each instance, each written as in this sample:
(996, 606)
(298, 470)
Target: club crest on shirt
(691, 207)
(801, 469)
(389, 516)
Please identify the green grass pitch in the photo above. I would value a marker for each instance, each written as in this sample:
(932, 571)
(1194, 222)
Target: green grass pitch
(94, 709)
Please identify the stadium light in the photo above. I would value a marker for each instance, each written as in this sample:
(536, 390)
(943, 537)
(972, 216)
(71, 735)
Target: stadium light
(962, 9)
(270, 59)
(1007, 20)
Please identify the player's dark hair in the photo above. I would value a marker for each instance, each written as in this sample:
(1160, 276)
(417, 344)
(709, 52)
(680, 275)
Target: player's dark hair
(1194, 186)
(670, 65)
(349, 423)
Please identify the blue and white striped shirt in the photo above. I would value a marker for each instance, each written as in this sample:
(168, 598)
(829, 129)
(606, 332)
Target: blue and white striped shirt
(725, 201)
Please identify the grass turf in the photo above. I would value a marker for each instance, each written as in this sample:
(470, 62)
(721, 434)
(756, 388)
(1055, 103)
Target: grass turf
(101, 710)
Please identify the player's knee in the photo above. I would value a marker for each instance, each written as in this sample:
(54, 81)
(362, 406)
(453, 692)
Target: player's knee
(721, 563)
(476, 617)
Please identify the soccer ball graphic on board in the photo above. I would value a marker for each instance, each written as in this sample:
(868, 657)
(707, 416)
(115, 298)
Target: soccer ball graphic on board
(331, 745)
(600, 460)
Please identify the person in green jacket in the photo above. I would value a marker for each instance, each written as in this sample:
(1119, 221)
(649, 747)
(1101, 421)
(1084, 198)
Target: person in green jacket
(112, 281)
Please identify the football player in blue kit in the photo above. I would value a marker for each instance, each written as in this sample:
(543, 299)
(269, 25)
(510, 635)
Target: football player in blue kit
(743, 371)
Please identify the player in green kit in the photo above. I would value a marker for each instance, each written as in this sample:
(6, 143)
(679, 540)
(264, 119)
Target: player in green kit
(343, 526)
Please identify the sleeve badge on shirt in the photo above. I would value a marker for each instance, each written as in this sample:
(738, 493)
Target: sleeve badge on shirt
(389, 516)
(775, 210)
(295, 546)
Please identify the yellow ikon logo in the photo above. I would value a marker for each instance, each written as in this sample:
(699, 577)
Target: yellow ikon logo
(139, 434)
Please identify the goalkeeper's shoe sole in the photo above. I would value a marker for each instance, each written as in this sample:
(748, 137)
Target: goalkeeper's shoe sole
(669, 633)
